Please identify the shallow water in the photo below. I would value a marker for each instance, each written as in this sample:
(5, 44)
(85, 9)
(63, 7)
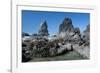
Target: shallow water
(73, 55)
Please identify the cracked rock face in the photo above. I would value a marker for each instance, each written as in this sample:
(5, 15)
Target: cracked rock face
(43, 31)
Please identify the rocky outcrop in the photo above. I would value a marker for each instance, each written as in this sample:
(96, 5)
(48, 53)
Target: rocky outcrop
(25, 34)
(43, 31)
(26, 52)
(86, 36)
(66, 29)
(87, 28)
(68, 32)
(66, 25)
(77, 30)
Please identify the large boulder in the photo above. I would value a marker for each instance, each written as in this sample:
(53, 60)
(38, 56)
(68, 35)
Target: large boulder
(26, 52)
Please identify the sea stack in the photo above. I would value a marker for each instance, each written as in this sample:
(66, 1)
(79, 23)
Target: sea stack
(43, 30)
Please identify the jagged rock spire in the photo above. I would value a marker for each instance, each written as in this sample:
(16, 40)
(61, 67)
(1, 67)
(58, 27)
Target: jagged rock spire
(43, 31)
(66, 25)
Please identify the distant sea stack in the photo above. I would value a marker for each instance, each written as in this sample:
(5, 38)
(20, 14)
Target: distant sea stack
(43, 30)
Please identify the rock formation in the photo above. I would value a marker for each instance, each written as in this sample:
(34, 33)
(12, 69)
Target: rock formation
(68, 32)
(77, 30)
(66, 25)
(86, 36)
(43, 31)
(69, 39)
(25, 34)
(87, 28)
(66, 28)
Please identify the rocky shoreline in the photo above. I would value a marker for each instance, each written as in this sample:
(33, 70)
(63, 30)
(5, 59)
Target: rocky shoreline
(68, 39)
